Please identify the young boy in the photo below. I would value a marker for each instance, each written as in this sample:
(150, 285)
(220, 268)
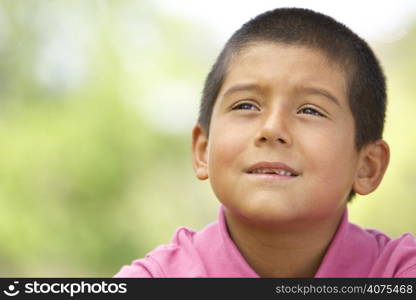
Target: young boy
(290, 128)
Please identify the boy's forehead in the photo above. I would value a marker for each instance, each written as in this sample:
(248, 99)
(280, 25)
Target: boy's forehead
(268, 63)
(269, 55)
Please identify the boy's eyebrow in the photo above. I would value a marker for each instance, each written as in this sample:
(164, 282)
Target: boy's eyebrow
(306, 89)
(242, 87)
(320, 91)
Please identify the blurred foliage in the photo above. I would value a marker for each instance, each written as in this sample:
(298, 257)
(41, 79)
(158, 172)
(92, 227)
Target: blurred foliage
(97, 103)
(89, 178)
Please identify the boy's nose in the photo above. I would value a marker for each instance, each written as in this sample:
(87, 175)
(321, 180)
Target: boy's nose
(274, 130)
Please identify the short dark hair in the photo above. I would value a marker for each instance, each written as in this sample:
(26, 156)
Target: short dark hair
(366, 86)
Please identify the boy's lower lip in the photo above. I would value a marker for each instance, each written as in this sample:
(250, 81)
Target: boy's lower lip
(271, 176)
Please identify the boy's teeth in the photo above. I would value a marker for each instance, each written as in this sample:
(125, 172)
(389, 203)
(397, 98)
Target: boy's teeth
(273, 171)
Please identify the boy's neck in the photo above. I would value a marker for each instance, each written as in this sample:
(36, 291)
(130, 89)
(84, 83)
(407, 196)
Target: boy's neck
(279, 253)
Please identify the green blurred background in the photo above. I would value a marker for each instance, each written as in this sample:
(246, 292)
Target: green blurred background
(98, 99)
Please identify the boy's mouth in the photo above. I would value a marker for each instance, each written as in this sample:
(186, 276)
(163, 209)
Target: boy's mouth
(273, 168)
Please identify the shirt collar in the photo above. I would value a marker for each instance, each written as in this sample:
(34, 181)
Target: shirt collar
(351, 253)
(342, 259)
(238, 264)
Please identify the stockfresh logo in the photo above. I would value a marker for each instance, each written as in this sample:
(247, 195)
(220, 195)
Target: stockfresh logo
(11, 289)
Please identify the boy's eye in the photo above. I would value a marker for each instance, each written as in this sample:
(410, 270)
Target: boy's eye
(311, 111)
(245, 106)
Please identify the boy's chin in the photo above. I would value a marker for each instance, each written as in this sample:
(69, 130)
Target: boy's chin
(267, 215)
(278, 214)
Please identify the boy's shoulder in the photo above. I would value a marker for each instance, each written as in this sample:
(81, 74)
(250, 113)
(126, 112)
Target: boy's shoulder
(206, 253)
(181, 258)
(397, 257)
(359, 252)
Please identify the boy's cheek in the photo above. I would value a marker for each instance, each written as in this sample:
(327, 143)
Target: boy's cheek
(331, 144)
(226, 140)
(333, 169)
(224, 151)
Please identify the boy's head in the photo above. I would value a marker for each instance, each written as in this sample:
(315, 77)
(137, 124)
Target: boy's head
(363, 78)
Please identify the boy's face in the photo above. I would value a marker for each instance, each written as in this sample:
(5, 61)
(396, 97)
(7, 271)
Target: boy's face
(282, 104)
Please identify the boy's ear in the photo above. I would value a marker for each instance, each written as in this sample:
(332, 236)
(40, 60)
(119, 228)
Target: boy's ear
(199, 152)
(374, 159)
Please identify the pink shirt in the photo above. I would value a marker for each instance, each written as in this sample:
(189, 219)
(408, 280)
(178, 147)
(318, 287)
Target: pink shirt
(353, 252)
